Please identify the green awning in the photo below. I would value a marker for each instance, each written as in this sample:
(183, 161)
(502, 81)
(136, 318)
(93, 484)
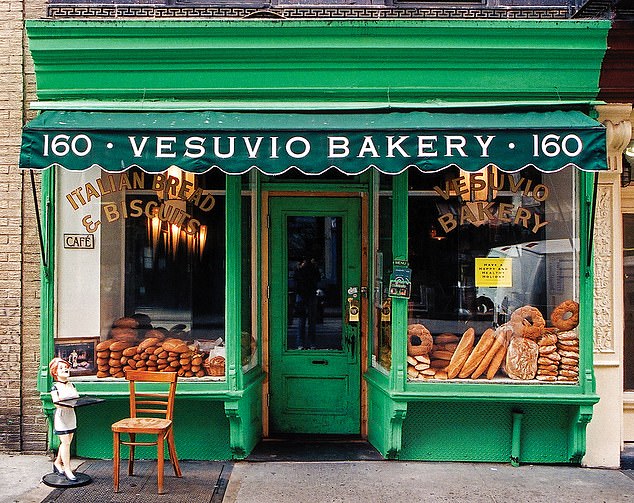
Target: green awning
(313, 142)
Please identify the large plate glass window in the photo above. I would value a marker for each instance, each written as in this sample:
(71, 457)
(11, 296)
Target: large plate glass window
(140, 272)
(382, 340)
(495, 260)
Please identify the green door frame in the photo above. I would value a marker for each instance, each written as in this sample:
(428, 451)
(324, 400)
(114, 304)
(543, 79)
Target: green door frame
(294, 376)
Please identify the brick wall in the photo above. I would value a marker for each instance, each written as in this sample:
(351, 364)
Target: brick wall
(22, 424)
(34, 427)
(10, 227)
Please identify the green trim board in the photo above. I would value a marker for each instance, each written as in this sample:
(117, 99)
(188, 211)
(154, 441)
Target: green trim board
(313, 142)
(271, 64)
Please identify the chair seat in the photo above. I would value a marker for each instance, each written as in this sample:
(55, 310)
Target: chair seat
(152, 425)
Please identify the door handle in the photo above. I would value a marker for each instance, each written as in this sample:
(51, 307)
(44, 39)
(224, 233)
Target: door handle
(320, 362)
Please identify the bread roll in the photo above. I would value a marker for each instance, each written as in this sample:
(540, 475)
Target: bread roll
(441, 355)
(146, 343)
(129, 351)
(104, 345)
(446, 339)
(120, 345)
(171, 344)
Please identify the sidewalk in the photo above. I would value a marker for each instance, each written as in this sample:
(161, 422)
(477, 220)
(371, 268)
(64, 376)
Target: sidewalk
(393, 482)
(21, 477)
(321, 482)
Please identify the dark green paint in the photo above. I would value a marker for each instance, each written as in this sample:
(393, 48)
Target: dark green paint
(306, 397)
(313, 143)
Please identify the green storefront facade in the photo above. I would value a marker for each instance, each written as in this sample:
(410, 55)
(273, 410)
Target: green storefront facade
(408, 159)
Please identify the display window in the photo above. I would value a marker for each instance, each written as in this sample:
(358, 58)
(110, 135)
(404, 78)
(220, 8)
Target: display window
(382, 343)
(494, 261)
(140, 272)
(248, 339)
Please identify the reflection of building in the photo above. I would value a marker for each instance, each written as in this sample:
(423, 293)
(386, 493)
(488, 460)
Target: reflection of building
(233, 288)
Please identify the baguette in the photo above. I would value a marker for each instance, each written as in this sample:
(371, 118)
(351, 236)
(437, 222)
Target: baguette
(496, 362)
(478, 353)
(488, 358)
(461, 354)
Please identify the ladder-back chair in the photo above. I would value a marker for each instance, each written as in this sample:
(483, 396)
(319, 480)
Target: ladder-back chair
(151, 413)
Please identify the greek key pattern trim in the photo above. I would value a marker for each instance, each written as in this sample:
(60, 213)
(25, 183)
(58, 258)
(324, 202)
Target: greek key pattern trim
(149, 11)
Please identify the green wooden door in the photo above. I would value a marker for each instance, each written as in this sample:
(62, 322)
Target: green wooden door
(315, 267)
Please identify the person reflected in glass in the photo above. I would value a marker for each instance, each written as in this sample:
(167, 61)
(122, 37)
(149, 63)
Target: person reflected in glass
(64, 420)
(307, 276)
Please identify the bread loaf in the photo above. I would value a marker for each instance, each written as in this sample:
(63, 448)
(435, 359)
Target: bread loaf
(146, 343)
(123, 334)
(479, 352)
(125, 322)
(521, 358)
(461, 354)
(505, 332)
(483, 366)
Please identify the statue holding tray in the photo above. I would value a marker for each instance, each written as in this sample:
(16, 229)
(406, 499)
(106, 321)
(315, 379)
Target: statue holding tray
(65, 398)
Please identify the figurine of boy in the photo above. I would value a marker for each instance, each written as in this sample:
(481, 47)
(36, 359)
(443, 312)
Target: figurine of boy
(65, 421)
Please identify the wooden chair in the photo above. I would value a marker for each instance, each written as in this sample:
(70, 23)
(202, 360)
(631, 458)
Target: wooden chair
(151, 413)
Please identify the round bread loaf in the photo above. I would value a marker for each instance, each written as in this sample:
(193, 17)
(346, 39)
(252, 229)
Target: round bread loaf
(521, 358)
(146, 343)
(125, 322)
(123, 334)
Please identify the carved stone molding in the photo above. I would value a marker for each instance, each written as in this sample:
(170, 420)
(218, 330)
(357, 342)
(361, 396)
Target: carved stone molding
(603, 271)
(616, 117)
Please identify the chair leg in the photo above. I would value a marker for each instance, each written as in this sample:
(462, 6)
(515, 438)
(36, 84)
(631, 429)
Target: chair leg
(172, 452)
(115, 462)
(131, 456)
(160, 461)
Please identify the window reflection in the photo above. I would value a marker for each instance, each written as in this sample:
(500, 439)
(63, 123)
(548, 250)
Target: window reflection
(314, 282)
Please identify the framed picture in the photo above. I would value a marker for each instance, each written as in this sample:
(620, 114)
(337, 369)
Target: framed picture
(80, 353)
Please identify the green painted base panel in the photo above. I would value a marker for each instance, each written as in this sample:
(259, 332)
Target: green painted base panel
(436, 431)
(201, 431)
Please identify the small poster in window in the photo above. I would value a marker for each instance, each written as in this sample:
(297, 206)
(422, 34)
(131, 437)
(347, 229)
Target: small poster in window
(493, 272)
(400, 280)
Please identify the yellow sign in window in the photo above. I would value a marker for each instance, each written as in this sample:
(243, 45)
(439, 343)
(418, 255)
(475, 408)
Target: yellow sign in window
(495, 272)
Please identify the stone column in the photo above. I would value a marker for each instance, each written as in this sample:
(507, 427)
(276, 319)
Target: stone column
(604, 433)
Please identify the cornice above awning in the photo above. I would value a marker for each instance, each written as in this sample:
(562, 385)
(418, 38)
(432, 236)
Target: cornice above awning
(263, 64)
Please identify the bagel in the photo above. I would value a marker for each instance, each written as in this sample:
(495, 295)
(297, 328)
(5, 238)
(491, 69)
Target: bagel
(565, 316)
(419, 340)
(528, 322)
